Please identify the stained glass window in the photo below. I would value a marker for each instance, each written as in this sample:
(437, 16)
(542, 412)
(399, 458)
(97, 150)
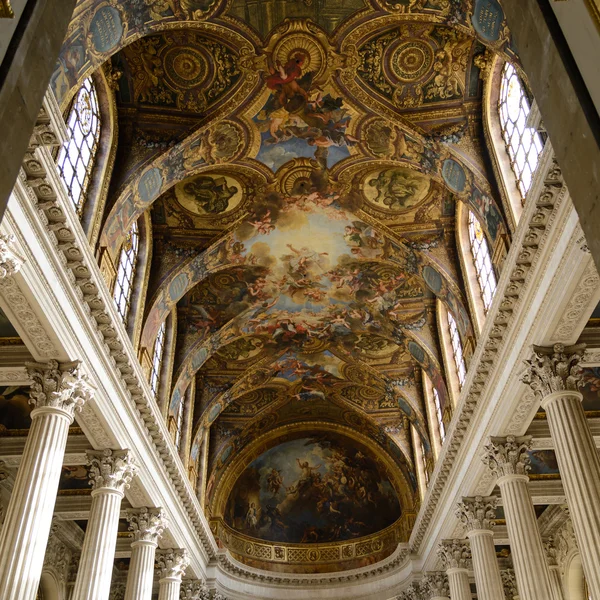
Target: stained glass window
(483, 261)
(76, 157)
(524, 144)
(126, 272)
(457, 350)
(439, 415)
(157, 359)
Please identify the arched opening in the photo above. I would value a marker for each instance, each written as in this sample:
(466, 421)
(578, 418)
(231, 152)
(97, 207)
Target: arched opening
(575, 586)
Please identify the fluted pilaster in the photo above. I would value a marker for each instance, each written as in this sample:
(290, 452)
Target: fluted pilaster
(456, 559)
(110, 474)
(146, 525)
(555, 375)
(171, 565)
(56, 392)
(508, 459)
(478, 514)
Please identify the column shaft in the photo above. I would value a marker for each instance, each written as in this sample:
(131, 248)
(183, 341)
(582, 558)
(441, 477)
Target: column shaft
(556, 583)
(29, 514)
(531, 569)
(579, 465)
(485, 565)
(98, 552)
(459, 584)
(169, 588)
(141, 571)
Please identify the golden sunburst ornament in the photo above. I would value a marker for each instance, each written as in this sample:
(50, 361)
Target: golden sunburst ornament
(315, 59)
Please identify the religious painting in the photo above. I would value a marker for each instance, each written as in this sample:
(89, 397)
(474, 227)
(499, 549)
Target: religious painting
(396, 189)
(323, 488)
(591, 390)
(14, 408)
(7, 331)
(209, 194)
(298, 119)
(543, 464)
(74, 480)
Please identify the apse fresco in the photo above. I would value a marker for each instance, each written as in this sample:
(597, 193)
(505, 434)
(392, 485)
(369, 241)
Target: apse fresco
(312, 490)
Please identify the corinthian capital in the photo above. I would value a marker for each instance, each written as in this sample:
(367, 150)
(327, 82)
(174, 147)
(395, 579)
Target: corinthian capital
(508, 455)
(191, 589)
(435, 585)
(59, 386)
(551, 550)
(172, 563)
(10, 261)
(509, 583)
(477, 512)
(146, 524)
(455, 554)
(415, 591)
(555, 369)
(111, 469)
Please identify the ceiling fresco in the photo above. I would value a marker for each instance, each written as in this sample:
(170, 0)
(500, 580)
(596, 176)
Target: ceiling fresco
(303, 163)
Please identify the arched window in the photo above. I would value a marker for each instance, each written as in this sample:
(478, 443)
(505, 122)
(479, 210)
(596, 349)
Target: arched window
(179, 423)
(157, 358)
(523, 142)
(457, 351)
(439, 414)
(76, 157)
(126, 271)
(483, 261)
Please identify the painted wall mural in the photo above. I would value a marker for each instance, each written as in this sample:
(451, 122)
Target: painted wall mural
(312, 490)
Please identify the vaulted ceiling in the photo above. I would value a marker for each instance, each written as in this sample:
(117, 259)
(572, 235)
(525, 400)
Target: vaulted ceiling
(302, 162)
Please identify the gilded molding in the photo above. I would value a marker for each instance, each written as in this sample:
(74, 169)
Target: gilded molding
(6, 11)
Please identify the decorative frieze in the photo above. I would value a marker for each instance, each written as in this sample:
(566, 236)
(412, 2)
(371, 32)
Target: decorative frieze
(508, 455)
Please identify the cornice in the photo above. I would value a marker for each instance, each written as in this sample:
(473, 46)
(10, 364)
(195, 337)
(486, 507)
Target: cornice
(41, 187)
(530, 238)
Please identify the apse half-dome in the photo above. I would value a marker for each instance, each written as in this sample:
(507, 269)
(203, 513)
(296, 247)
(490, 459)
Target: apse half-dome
(314, 489)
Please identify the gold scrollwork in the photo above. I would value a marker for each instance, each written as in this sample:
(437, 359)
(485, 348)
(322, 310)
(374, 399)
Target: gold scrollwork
(6, 11)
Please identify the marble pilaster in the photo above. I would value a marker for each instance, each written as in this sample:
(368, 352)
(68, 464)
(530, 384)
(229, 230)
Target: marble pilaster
(56, 393)
(110, 473)
(508, 459)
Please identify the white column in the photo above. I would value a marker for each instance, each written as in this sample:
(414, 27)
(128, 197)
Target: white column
(554, 374)
(435, 586)
(510, 584)
(508, 459)
(171, 565)
(146, 525)
(555, 575)
(478, 514)
(110, 473)
(56, 393)
(456, 558)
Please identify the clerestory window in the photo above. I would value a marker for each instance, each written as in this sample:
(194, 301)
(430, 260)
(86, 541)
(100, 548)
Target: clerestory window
(157, 359)
(126, 272)
(457, 350)
(76, 158)
(482, 260)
